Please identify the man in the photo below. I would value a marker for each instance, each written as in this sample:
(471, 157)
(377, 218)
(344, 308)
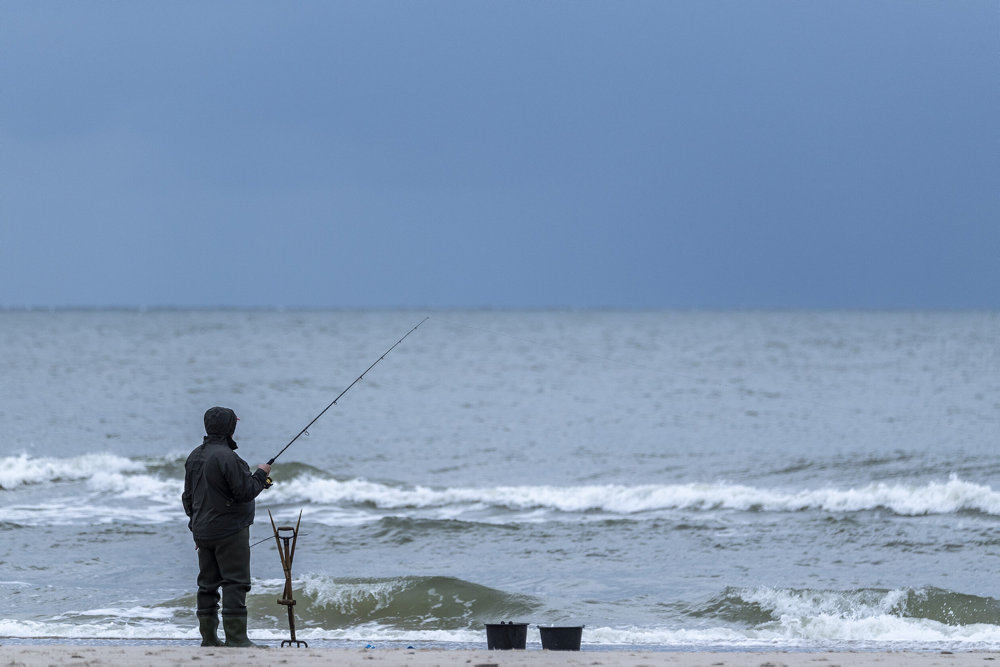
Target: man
(218, 498)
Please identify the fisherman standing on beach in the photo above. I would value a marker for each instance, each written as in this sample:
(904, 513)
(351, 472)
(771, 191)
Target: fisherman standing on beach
(219, 492)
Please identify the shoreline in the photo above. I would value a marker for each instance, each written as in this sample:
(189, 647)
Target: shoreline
(31, 655)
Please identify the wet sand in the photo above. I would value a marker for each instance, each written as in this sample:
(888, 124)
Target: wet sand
(157, 656)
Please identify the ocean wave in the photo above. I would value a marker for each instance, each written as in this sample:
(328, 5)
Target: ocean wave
(70, 512)
(149, 490)
(24, 470)
(452, 611)
(886, 634)
(929, 603)
(104, 628)
(953, 495)
(863, 615)
(427, 603)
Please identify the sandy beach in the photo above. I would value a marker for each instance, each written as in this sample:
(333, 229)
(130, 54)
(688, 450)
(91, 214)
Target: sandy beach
(154, 656)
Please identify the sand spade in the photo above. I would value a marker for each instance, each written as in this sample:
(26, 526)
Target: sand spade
(286, 534)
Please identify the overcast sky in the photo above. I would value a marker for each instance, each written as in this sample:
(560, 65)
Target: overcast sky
(621, 153)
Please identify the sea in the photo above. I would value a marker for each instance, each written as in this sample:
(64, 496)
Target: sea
(668, 480)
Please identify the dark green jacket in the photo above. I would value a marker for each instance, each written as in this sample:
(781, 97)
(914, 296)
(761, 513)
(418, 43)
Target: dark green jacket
(219, 490)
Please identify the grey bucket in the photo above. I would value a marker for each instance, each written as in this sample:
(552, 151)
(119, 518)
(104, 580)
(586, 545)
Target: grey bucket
(565, 638)
(504, 636)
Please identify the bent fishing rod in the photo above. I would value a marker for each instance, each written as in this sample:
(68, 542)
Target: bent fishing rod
(339, 396)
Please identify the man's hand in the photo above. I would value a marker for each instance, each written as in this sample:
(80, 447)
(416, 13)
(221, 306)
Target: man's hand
(267, 471)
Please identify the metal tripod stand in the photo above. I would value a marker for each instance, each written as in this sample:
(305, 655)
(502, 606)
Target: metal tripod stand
(282, 537)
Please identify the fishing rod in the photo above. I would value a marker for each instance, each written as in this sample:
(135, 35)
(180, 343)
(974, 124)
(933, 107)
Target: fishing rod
(269, 538)
(334, 401)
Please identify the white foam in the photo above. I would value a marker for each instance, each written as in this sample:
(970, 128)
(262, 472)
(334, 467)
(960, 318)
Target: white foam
(835, 617)
(130, 613)
(116, 629)
(24, 469)
(138, 486)
(823, 631)
(69, 514)
(345, 596)
(890, 632)
(812, 619)
(114, 488)
(902, 498)
(119, 488)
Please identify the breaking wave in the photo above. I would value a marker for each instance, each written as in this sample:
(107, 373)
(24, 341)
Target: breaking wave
(105, 487)
(933, 497)
(429, 603)
(453, 611)
(909, 616)
(24, 470)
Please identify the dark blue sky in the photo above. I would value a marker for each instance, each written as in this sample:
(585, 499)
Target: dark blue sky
(500, 154)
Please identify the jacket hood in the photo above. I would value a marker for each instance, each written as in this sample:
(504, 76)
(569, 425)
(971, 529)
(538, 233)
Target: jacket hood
(221, 422)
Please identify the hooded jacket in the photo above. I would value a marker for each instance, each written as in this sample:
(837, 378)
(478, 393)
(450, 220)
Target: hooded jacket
(219, 489)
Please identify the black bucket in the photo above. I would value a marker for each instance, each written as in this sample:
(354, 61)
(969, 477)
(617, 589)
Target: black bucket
(505, 636)
(561, 638)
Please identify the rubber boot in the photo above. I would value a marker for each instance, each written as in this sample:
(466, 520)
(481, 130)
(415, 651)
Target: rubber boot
(236, 632)
(209, 625)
